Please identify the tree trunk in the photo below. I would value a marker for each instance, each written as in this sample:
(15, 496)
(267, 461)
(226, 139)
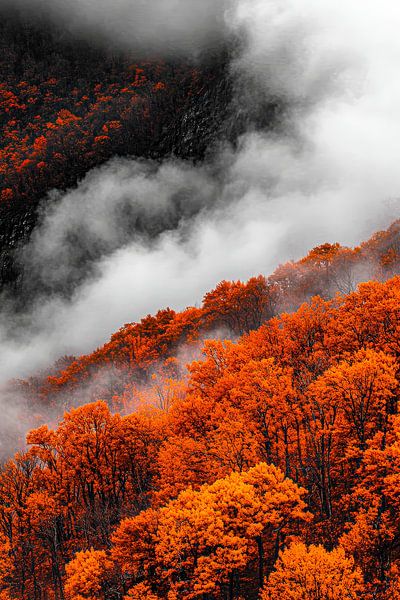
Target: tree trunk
(260, 547)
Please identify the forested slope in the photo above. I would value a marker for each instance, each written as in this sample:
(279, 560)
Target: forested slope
(270, 465)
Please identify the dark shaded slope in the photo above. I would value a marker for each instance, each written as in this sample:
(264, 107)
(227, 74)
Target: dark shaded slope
(67, 107)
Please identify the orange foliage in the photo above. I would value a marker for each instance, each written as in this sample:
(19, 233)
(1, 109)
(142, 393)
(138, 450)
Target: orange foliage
(71, 107)
(214, 480)
(313, 573)
(86, 574)
(195, 544)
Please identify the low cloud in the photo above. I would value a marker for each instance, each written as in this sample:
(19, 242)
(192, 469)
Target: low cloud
(151, 26)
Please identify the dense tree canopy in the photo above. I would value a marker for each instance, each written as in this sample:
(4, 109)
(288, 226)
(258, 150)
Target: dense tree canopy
(269, 465)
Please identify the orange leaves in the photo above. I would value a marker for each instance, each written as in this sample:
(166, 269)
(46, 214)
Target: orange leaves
(86, 574)
(362, 390)
(101, 140)
(373, 531)
(85, 121)
(159, 86)
(193, 544)
(7, 195)
(238, 306)
(40, 144)
(313, 574)
(65, 117)
(134, 543)
(371, 539)
(6, 564)
(198, 489)
(141, 591)
(25, 163)
(323, 255)
(367, 318)
(95, 464)
(111, 125)
(41, 510)
(165, 386)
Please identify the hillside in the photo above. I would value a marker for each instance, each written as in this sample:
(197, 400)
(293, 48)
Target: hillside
(187, 484)
(67, 106)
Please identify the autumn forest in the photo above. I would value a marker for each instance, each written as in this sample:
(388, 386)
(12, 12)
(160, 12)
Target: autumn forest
(244, 447)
